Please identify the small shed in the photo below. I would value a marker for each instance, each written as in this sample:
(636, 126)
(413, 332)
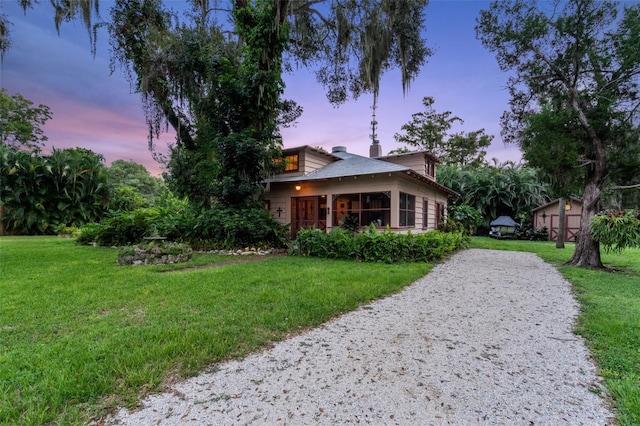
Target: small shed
(503, 227)
(546, 216)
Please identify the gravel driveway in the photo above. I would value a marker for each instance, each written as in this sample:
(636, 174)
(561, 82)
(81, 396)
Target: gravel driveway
(484, 338)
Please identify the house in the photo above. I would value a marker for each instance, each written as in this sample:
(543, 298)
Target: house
(547, 216)
(319, 189)
(503, 227)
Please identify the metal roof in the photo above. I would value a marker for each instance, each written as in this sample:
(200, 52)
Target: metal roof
(357, 165)
(503, 221)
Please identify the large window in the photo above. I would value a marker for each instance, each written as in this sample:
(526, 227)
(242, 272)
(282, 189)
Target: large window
(407, 210)
(367, 208)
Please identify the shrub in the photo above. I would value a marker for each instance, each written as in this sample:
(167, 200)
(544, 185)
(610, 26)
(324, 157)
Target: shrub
(374, 246)
(128, 227)
(233, 227)
(462, 218)
(89, 233)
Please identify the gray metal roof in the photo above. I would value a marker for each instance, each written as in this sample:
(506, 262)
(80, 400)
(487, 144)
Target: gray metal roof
(349, 165)
(504, 221)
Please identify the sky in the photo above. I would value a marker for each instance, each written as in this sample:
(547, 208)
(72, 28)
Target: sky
(96, 109)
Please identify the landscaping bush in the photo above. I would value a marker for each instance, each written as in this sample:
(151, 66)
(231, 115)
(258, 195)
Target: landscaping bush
(462, 218)
(233, 227)
(89, 233)
(128, 227)
(374, 246)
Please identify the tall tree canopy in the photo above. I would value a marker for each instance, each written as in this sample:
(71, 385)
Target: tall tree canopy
(429, 130)
(21, 122)
(581, 57)
(214, 73)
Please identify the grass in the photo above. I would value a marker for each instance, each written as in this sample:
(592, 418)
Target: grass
(609, 319)
(80, 335)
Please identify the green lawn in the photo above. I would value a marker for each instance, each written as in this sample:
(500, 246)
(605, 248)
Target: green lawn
(609, 319)
(80, 335)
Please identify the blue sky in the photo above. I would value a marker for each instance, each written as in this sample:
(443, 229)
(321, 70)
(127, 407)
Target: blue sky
(97, 110)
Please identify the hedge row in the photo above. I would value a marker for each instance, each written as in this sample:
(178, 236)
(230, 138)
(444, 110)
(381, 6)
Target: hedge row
(374, 246)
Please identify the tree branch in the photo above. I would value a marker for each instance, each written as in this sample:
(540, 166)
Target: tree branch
(622, 187)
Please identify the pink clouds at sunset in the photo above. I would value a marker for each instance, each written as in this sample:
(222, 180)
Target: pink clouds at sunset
(96, 109)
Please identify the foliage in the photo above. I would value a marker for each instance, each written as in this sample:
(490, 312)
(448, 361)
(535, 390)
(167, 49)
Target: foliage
(128, 228)
(428, 130)
(526, 232)
(551, 143)
(214, 74)
(617, 230)
(20, 122)
(89, 233)
(228, 227)
(117, 334)
(468, 217)
(350, 223)
(133, 184)
(126, 198)
(38, 192)
(495, 190)
(574, 81)
(374, 246)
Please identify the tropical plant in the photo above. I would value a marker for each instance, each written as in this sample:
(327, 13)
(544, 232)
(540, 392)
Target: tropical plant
(582, 59)
(39, 192)
(617, 230)
(496, 189)
(468, 217)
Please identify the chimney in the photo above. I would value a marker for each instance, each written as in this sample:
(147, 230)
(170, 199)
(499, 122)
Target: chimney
(375, 150)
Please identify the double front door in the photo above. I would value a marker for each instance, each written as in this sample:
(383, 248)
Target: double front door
(308, 213)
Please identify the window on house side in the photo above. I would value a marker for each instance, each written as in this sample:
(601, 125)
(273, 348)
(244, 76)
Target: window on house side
(425, 213)
(407, 209)
(291, 163)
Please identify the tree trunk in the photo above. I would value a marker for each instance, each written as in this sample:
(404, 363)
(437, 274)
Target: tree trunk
(587, 251)
(561, 223)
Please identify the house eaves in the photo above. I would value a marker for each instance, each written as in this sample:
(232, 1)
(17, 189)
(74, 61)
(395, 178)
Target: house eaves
(351, 165)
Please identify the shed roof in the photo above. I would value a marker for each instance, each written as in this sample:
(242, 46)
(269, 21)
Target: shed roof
(574, 199)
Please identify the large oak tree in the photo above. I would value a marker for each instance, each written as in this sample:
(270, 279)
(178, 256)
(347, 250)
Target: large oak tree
(583, 57)
(214, 73)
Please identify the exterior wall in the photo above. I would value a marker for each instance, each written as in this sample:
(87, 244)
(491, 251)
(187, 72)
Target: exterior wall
(419, 162)
(548, 217)
(309, 160)
(280, 196)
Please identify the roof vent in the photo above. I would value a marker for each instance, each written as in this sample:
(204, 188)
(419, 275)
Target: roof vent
(339, 149)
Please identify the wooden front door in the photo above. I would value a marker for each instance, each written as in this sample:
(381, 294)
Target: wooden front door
(308, 213)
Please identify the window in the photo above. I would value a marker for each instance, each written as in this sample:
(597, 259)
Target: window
(425, 213)
(368, 208)
(407, 210)
(440, 214)
(291, 163)
(429, 169)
